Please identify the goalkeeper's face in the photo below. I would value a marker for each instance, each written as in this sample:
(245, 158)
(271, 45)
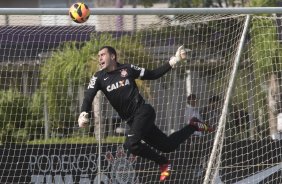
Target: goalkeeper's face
(106, 60)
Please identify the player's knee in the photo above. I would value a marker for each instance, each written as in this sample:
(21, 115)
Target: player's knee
(133, 148)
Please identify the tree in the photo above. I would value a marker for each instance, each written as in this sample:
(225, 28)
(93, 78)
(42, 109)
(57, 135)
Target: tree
(148, 3)
(267, 64)
(14, 114)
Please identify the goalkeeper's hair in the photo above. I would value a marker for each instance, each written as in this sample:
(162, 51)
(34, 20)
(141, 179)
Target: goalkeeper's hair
(111, 50)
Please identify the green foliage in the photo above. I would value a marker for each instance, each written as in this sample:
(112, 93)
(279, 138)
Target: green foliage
(78, 140)
(264, 45)
(263, 3)
(36, 104)
(148, 3)
(207, 3)
(265, 51)
(183, 3)
(14, 114)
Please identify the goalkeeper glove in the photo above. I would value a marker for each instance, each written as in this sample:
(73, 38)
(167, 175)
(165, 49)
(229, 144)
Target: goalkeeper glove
(180, 55)
(83, 120)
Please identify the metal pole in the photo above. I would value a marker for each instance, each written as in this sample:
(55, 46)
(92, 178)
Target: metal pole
(46, 117)
(99, 137)
(143, 11)
(251, 102)
(119, 18)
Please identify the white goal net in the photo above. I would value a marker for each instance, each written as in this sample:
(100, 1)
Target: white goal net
(233, 68)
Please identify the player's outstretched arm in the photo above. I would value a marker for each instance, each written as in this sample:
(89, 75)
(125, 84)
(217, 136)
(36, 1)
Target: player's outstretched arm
(180, 55)
(90, 93)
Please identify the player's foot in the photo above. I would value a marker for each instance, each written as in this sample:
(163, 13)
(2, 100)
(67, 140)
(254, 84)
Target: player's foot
(202, 127)
(165, 171)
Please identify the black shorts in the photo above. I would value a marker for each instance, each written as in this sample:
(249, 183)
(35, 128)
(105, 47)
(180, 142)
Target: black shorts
(141, 124)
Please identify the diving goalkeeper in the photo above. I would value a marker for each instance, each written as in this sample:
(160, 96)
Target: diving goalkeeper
(117, 82)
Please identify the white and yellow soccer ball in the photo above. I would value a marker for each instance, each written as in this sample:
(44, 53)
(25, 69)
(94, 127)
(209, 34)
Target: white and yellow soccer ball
(79, 12)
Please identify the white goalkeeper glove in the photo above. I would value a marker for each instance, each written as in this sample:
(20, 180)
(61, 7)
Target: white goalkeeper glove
(83, 120)
(180, 55)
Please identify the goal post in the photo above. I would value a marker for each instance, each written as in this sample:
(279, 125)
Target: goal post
(234, 68)
(214, 160)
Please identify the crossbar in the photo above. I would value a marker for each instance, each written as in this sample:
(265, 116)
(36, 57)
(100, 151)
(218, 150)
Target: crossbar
(142, 11)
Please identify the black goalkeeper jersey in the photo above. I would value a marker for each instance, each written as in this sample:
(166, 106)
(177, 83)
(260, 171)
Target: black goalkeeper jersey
(120, 88)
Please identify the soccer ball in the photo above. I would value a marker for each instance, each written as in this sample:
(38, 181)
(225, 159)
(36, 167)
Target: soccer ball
(79, 12)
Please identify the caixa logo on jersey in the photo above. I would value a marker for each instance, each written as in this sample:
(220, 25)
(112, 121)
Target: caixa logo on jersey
(83, 168)
(117, 85)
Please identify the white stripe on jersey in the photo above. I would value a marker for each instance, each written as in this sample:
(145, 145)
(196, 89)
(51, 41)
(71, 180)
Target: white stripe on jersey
(142, 72)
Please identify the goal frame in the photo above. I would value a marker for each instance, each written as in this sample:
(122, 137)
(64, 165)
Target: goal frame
(142, 11)
(171, 11)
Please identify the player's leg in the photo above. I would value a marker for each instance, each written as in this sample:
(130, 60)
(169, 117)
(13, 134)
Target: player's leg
(159, 140)
(143, 150)
(137, 147)
(202, 127)
(140, 126)
(162, 142)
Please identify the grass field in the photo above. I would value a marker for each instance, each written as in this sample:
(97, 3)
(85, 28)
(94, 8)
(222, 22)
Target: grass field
(78, 140)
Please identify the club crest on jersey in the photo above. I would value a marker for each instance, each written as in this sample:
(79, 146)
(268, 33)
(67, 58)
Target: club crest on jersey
(123, 73)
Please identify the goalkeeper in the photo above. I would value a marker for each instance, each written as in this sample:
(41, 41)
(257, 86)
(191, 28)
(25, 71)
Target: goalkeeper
(117, 82)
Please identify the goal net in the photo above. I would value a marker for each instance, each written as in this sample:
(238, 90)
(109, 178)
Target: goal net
(233, 68)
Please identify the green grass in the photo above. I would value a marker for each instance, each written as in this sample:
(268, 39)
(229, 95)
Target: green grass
(79, 140)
